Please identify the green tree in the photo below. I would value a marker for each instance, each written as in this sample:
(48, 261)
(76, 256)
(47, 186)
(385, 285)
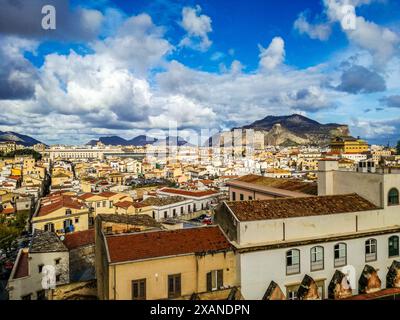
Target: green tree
(398, 147)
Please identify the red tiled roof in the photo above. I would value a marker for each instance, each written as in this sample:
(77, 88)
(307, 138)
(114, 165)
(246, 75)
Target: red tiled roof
(14, 177)
(124, 204)
(8, 211)
(79, 239)
(147, 245)
(58, 202)
(107, 194)
(22, 266)
(86, 196)
(190, 193)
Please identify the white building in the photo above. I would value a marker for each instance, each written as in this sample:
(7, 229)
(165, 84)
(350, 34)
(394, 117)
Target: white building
(46, 250)
(355, 222)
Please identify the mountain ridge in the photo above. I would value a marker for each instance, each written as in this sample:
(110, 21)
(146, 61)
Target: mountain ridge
(20, 139)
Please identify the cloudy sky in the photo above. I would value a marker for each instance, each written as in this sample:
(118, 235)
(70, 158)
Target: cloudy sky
(124, 67)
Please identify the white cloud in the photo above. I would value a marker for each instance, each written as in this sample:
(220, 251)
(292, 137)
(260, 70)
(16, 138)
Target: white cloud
(274, 55)
(197, 26)
(320, 31)
(381, 42)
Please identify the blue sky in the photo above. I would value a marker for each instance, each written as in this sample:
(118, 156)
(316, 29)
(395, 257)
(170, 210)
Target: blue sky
(126, 67)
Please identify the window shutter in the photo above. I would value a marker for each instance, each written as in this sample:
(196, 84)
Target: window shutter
(209, 281)
(220, 279)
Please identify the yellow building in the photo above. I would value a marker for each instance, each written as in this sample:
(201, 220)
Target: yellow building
(348, 144)
(7, 147)
(61, 214)
(176, 264)
(103, 203)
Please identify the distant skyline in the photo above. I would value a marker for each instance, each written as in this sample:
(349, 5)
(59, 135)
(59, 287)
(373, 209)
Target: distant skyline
(126, 67)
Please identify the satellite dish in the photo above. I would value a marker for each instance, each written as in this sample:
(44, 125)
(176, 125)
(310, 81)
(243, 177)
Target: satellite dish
(62, 238)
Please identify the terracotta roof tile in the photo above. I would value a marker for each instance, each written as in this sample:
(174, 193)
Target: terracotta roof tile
(299, 207)
(147, 245)
(22, 266)
(54, 203)
(79, 239)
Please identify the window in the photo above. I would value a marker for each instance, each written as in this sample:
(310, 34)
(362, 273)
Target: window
(215, 280)
(174, 212)
(194, 207)
(111, 204)
(393, 246)
(293, 261)
(154, 214)
(393, 198)
(340, 254)
(58, 277)
(76, 220)
(174, 286)
(57, 261)
(241, 197)
(49, 227)
(98, 204)
(139, 289)
(40, 267)
(233, 196)
(291, 292)
(165, 214)
(68, 212)
(317, 258)
(370, 250)
(181, 210)
(250, 198)
(104, 204)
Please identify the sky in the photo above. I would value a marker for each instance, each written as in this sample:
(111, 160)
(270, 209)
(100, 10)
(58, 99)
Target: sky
(131, 67)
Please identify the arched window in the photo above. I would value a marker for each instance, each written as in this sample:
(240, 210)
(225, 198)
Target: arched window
(393, 197)
(370, 250)
(293, 261)
(393, 246)
(340, 254)
(317, 258)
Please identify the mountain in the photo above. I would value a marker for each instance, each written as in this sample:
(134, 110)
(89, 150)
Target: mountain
(138, 141)
(287, 131)
(20, 139)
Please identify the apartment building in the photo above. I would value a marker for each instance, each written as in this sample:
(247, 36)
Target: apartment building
(46, 249)
(179, 264)
(349, 233)
(202, 200)
(62, 214)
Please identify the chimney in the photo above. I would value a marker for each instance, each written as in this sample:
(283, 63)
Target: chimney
(326, 170)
